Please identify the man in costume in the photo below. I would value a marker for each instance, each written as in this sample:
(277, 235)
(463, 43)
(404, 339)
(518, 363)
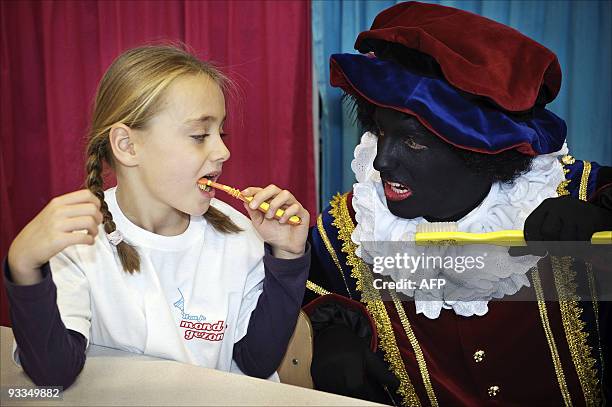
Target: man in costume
(453, 105)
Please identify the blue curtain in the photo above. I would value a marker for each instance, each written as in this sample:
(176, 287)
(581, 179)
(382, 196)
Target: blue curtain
(579, 32)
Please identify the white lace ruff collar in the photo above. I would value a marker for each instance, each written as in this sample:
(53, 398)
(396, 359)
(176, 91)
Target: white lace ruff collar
(505, 207)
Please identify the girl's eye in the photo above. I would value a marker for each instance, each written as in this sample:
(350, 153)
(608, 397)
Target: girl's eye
(414, 145)
(199, 137)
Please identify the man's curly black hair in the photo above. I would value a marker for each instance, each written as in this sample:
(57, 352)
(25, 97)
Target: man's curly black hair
(503, 167)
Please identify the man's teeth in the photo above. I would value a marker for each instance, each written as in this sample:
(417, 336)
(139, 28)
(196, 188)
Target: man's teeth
(396, 187)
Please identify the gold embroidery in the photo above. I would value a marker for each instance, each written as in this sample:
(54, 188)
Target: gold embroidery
(574, 328)
(418, 353)
(584, 181)
(537, 285)
(371, 298)
(331, 251)
(568, 302)
(562, 187)
(593, 289)
(316, 288)
(568, 159)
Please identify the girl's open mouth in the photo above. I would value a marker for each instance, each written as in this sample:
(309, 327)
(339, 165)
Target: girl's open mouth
(213, 176)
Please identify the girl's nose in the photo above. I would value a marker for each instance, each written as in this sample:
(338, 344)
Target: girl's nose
(218, 150)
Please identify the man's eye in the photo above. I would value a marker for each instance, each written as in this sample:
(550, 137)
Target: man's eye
(414, 145)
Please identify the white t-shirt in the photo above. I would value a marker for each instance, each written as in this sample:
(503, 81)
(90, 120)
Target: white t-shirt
(190, 302)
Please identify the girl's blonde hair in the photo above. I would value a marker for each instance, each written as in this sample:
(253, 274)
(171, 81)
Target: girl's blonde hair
(129, 93)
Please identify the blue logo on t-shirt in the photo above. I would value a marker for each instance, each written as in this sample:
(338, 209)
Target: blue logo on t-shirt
(213, 331)
(180, 304)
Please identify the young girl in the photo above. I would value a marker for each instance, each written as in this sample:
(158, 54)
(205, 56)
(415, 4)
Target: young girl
(163, 268)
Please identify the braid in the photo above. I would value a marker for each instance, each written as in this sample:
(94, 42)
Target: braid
(221, 221)
(130, 259)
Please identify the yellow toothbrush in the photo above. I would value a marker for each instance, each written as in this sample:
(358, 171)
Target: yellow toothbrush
(446, 233)
(293, 220)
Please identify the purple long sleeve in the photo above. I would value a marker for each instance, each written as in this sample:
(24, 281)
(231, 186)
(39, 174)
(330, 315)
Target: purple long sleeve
(50, 354)
(273, 320)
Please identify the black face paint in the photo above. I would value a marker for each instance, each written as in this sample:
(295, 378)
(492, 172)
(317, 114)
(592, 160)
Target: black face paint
(422, 175)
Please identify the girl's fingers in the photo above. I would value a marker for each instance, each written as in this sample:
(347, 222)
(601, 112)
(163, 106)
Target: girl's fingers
(69, 239)
(81, 223)
(250, 191)
(289, 212)
(83, 209)
(283, 198)
(277, 199)
(256, 216)
(77, 197)
(263, 195)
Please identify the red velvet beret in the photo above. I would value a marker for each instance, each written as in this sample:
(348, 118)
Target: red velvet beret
(476, 55)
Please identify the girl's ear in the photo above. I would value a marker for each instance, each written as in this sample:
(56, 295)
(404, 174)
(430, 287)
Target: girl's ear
(122, 143)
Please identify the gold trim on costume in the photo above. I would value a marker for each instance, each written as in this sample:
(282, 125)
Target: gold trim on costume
(331, 251)
(418, 353)
(316, 288)
(568, 159)
(568, 303)
(371, 298)
(584, 181)
(537, 285)
(595, 301)
(562, 187)
(574, 328)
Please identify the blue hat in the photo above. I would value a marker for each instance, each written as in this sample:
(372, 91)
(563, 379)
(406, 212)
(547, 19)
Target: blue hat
(443, 110)
(490, 60)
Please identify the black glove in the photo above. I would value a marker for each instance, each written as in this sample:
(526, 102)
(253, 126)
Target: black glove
(562, 219)
(344, 364)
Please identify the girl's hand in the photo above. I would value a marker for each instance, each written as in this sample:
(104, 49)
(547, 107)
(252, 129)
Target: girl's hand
(287, 241)
(57, 226)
